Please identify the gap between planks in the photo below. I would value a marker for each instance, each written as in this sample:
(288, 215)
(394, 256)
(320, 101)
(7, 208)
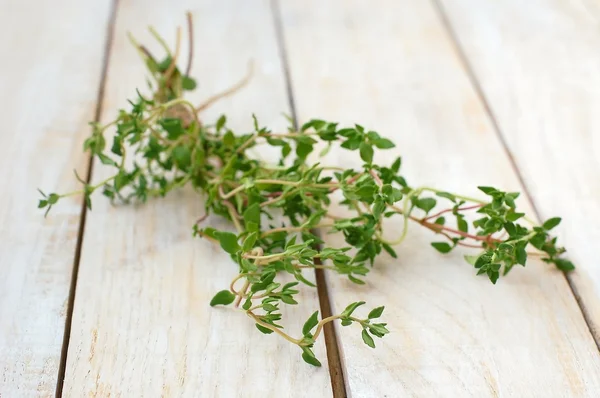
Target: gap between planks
(334, 359)
(437, 5)
(110, 30)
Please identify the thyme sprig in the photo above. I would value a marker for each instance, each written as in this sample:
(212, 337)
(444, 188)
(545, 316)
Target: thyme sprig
(160, 145)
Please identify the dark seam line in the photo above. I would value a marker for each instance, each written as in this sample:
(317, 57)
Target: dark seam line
(479, 91)
(276, 11)
(336, 373)
(110, 29)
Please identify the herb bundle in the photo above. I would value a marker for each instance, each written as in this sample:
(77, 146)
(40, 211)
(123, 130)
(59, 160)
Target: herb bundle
(160, 144)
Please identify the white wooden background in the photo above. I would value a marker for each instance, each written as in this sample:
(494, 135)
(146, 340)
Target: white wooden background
(114, 302)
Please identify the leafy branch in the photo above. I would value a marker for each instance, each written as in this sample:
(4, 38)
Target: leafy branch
(159, 144)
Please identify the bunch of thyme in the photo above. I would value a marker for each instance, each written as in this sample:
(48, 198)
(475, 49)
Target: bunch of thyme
(276, 209)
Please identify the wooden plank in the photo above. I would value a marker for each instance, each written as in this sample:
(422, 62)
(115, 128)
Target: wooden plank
(142, 325)
(393, 68)
(49, 84)
(538, 70)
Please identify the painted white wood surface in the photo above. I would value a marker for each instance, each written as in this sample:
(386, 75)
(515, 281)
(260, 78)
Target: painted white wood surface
(538, 66)
(48, 82)
(393, 68)
(142, 325)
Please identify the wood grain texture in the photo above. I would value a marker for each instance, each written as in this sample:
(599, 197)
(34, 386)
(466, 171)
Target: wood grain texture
(392, 68)
(49, 82)
(538, 68)
(142, 325)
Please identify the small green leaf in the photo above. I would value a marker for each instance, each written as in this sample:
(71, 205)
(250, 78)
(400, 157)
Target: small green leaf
(229, 242)
(229, 139)
(471, 259)
(356, 280)
(263, 329)
(396, 165)
(351, 308)
(493, 275)
(366, 152)
(462, 225)
(521, 255)
(221, 122)
(442, 247)
(446, 195)
(309, 357)
(173, 127)
(249, 241)
(182, 157)
(368, 339)
(389, 249)
(42, 203)
(378, 207)
(383, 143)
(487, 190)
(376, 312)
(247, 304)
(224, 297)
(106, 160)
(252, 214)
(312, 321)
(514, 216)
(188, 83)
(551, 223)
(564, 265)
(426, 204)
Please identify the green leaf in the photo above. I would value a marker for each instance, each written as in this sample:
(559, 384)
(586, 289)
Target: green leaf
(228, 242)
(229, 139)
(514, 216)
(368, 339)
(493, 275)
(383, 143)
(173, 127)
(106, 160)
(376, 312)
(442, 247)
(312, 321)
(471, 259)
(224, 297)
(263, 329)
(248, 303)
(366, 152)
(462, 225)
(356, 280)
(426, 204)
(396, 165)
(249, 241)
(551, 223)
(389, 249)
(309, 357)
(182, 157)
(221, 122)
(269, 307)
(252, 214)
(564, 264)
(42, 203)
(378, 207)
(351, 308)
(440, 221)
(487, 190)
(53, 198)
(303, 149)
(446, 195)
(188, 83)
(521, 255)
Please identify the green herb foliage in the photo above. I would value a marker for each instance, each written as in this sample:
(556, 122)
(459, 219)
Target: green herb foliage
(160, 145)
